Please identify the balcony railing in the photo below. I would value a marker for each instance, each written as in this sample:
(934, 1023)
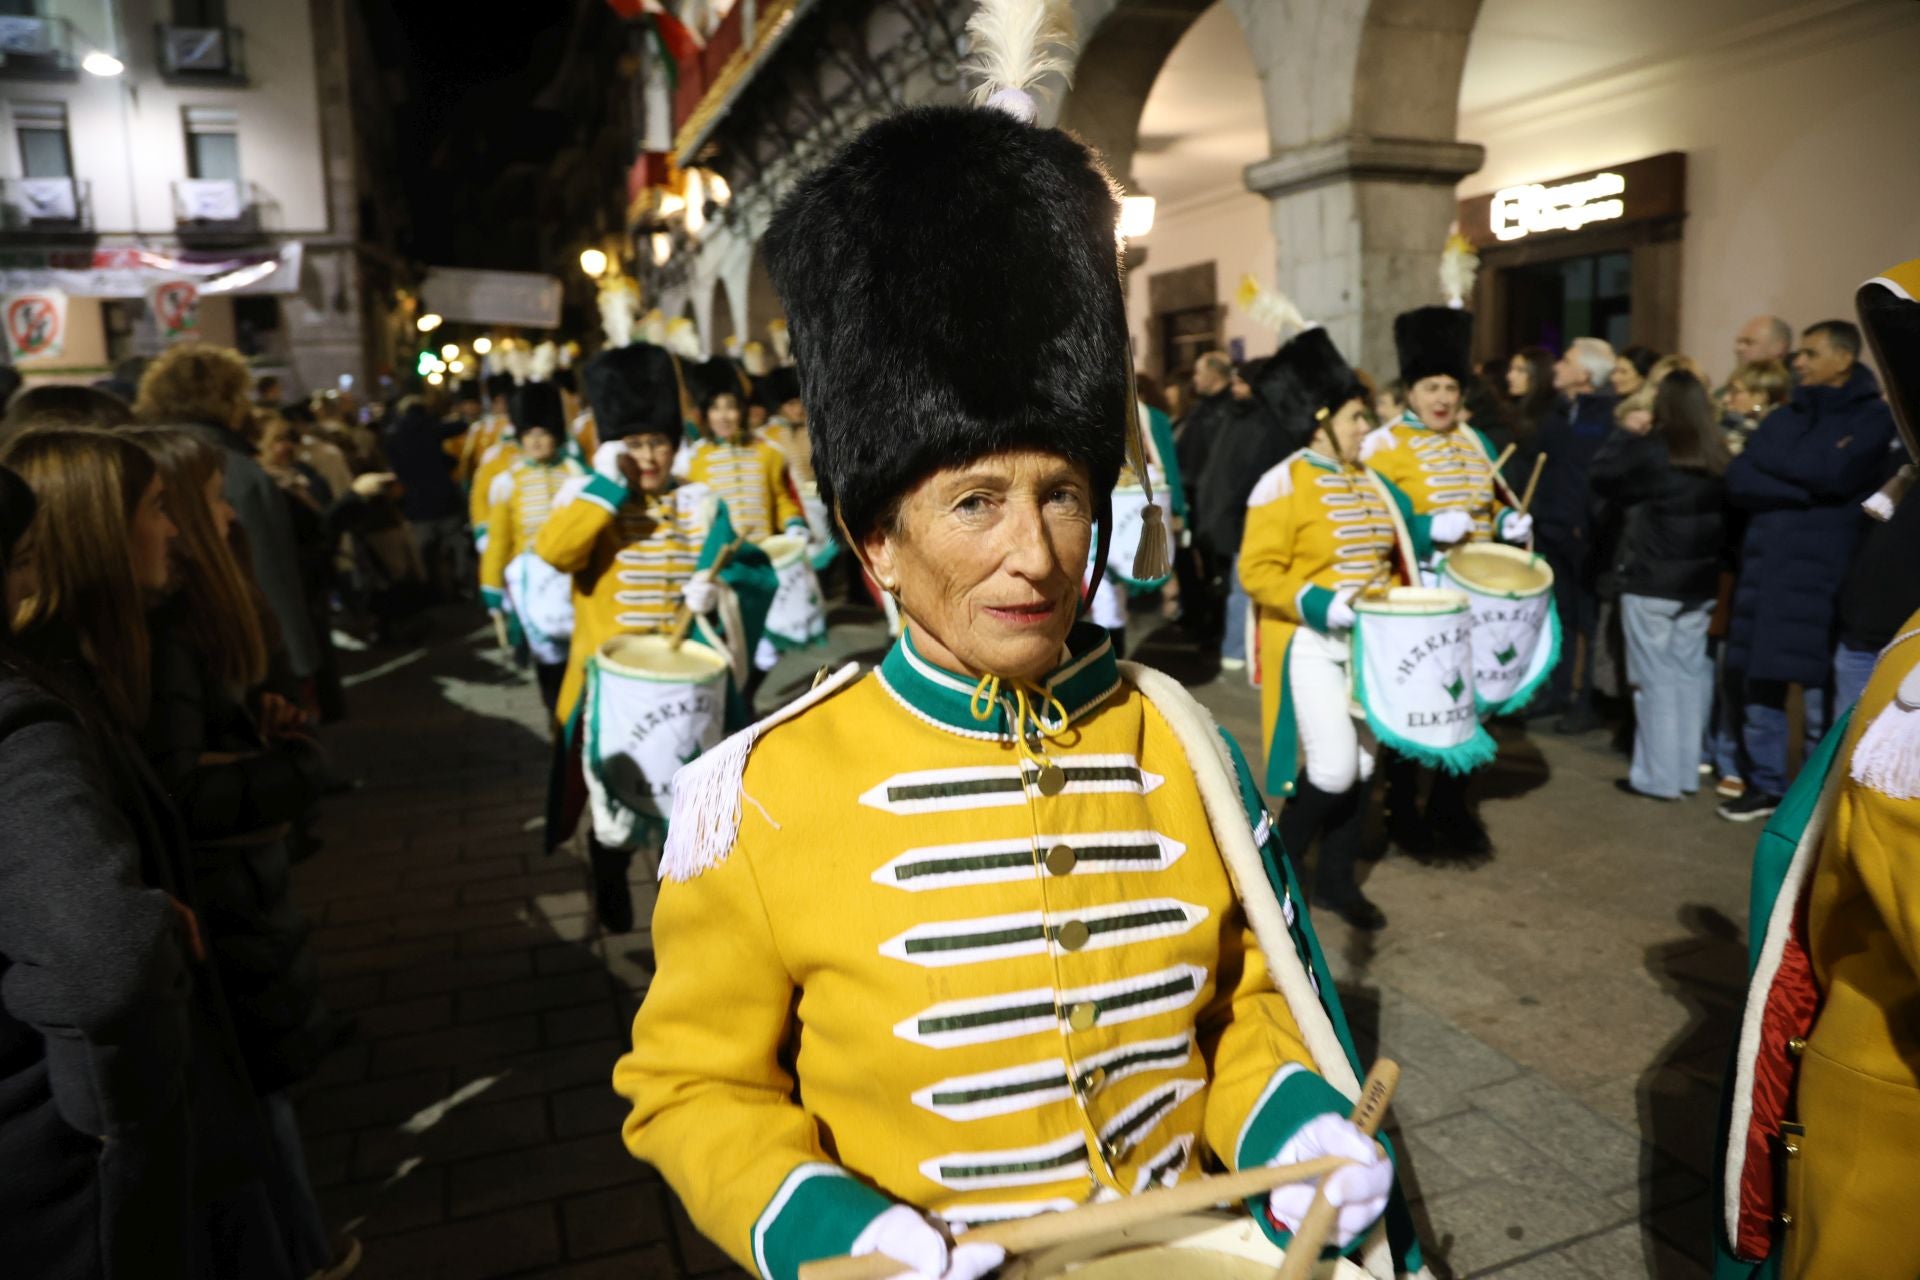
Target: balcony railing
(45, 207)
(37, 48)
(216, 210)
(201, 55)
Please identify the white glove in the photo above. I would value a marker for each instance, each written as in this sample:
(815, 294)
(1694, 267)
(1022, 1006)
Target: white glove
(1360, 1190)
(606, 461)
(702, 595)
(1340, 612)
(1516, 526)
(902, 1234)
(1450, 526)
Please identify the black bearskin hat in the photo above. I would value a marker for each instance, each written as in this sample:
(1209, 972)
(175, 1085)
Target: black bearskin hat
(1304, 380)
(775, 387)
(467, 389)
(633, 391)
(538, 404)
(717, 376)
(1433, 341)
(952, 289)
(500, 384)
(1889, 307)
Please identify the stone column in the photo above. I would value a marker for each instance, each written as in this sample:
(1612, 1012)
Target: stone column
(1358, 225)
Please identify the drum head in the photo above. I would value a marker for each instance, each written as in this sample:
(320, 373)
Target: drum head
(1493, 569)
(655, 658)
(1216, 1245)
(1405, 600)
(783, 548)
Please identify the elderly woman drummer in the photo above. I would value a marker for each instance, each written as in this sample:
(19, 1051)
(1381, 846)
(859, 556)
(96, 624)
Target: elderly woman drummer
(999, 927)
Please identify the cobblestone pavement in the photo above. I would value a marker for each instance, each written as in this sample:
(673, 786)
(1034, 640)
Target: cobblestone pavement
(1561, 1013)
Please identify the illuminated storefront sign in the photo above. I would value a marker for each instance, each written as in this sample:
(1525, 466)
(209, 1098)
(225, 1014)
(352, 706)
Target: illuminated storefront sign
(1568, 206)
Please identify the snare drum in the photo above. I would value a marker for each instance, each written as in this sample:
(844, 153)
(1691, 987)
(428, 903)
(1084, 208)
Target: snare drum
(650, 708)
(1413, 675)
(1516, 629)
(541, 597)
(798, 615)
(1199, 1246)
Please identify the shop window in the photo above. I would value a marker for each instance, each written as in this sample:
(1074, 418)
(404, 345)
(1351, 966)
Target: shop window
(45, 151)
(256, 323)
(1186, 336)
(1552, 303)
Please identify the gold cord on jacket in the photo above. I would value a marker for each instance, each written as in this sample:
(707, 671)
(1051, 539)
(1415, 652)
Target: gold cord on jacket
(989, 694)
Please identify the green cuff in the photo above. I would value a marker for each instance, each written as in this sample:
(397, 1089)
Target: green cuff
(1313, 603)
(1295, 1095)
(819, 1211)
(605, 492)
(492, 597)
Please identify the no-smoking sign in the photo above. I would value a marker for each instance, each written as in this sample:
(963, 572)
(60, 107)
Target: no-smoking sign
(176, 308)
(36, 324)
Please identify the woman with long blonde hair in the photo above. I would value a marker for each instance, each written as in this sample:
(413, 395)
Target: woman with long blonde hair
(240, 780)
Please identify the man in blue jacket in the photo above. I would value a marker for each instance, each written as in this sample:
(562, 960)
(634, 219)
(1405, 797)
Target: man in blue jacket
(1802, 478)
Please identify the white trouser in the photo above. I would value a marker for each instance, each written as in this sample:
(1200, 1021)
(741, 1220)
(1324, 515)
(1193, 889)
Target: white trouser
(1339, 749)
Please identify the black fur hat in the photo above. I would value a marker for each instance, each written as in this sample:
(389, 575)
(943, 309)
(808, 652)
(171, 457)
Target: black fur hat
(1303, 380)
(1433, 341)
(952, 288)
(1889, 308)
(500, 384)
(633, 391)
(714, 377)
(538, 404)
(467, 389)
(775, 387)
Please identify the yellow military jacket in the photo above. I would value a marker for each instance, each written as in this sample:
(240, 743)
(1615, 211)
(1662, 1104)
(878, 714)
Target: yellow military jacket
(485, 432)
(917, 978)
(522, 498)
(751, 478)
(630, 555)
(1313, 528)
(1439, 470)
(500, 455)
(794, 444)
(1855, 1165)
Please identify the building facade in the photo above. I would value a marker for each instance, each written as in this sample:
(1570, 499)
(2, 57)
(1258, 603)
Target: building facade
(150, 142)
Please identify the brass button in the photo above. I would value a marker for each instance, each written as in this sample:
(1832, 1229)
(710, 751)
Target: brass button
(1073, 934)
(1797, 1046)
(1786, 1219)
(1793, 1148)
(1052, 780)
(1082, 1015)
(1092, 1080)
(1061, 859)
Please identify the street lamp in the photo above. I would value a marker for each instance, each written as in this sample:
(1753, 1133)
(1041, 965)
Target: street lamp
(98, 63)
(1136, 216)
(457, 366)
(482, 345)
(429, 322)
(593, 262)
(436, 378)
(449, 351)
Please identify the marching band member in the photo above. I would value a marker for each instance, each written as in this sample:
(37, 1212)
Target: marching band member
(1027, 941)
(512, 578)
(749, 475)
(633, 543)
(778, 391)
(1825, 1097)
(1321, 528)
(487, 430)
(1444, 469)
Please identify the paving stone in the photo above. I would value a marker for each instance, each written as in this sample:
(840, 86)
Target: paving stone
(598, 1023)
(1602, 1155)
(1503, 1220)
(391, 1202)
(374, 1103)
(604, 1221)
(329, 1159)
(551, 1070)
(558, 880)
(399, 1017)
(543, 1173)
(472, 1049)
(559, 991)
(655, 1260)
(566, 957)
(1466, 1148)
(475, 1249)
(474, 1128)
(464, 872)
(1440, 1064)
(345, 1065)
(414, 903)
(349, 992)
(1557, 1264)
(459, 973)
(587, 1110)
(703, 1255)
(1629, 1250)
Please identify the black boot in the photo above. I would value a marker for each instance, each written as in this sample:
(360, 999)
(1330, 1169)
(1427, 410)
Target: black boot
(1456, 828)
(612, 898)
(1301, 819)
(1405, 827)
(1334, 888)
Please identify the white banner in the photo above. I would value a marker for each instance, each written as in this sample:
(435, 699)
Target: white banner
(130, 273)
(647, 713)
(525, 298)
(1413, 677)
(36, 324)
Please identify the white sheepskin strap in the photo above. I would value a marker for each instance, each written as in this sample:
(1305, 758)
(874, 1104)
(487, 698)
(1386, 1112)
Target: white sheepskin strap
(1219, 788)
(1887, 757)
(707, 792)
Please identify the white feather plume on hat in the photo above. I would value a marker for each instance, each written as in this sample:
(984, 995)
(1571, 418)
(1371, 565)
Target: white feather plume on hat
(518, 360)
(541, 364)
(1015, 44)
(1459, 265)
(1270, 308)
(653, 328)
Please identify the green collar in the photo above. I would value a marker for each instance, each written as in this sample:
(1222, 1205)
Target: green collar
(1321, 460)
(1087, 677)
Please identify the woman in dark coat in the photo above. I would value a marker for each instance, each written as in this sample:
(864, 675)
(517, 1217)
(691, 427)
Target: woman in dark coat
(98, 550)
(239, 784)
(93, 993)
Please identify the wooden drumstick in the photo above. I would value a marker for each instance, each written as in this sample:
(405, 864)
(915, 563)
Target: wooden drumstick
(1304, 1252)
(1376, 585)
(683, 616)
(1533, 482)
(1045, 1230)
(1499, 463)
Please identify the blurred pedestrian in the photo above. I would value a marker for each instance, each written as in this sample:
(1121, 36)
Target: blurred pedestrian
(1755, 390)
(1664, 474)
(1631, 369)
(63, 405)
(1763, 338)
(1801, 478)
(429, 496)
(1201, 586)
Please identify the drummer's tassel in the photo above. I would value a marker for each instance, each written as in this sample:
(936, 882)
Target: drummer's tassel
(1887, 757)
(1153, 558)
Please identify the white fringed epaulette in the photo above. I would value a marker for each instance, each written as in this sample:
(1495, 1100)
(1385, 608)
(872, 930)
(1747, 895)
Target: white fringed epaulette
(1275, 483)
(707, 792)
(1887, 756)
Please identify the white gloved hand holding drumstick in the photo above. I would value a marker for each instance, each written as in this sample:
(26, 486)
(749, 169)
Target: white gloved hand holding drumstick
(1450, 526)
(1359, 1191)
(903, 1234)
(701, 594)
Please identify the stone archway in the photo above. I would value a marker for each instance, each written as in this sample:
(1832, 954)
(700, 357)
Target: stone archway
(1362, 100)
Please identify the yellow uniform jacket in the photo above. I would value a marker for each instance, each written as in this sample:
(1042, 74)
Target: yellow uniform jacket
(752, 479)
(794, 444)
(1313, 528)
(1439, 470)
(522, 498)
(630, 556)
(481, 436)
(501, 455)
(916, 977)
